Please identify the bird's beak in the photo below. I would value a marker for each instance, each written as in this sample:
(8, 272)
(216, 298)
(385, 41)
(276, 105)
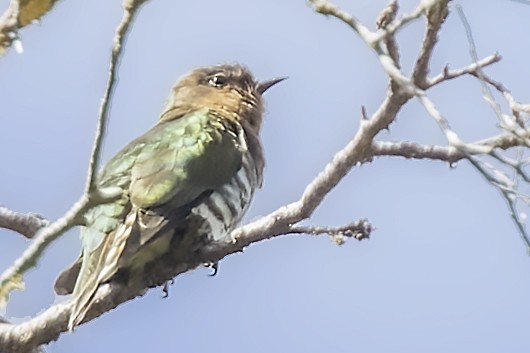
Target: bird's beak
(265, 85)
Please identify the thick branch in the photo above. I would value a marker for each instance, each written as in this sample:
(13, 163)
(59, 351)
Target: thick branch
(279, 221)
(48, 325)
(40, 329)
(436, 15)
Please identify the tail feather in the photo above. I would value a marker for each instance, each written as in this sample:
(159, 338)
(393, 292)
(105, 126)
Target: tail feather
(97, 268)
(143, 236)
(65, 282)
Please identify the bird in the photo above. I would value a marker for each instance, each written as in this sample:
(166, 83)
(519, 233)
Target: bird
(187, 180)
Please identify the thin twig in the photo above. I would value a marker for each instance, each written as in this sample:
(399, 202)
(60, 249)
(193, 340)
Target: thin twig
(451, 136)
(513, 124)
(280, 221)
(474, 56)
(130, 7)
(12, 277)
(325, 7)
(48, 325)
(387, 16)
(508, 196)
(26, 224)
(400, 23)
(469, 70)
(448, 154)
(358, 230)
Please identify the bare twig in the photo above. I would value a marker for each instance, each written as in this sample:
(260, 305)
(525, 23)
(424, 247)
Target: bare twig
(452, 136)
(280, 221)
(448, 154)
(55, 318)
(513, 124)
(515, 106)
(324, 7)
(514, 165)
(130, 9)
(386, 16)
(469, 70)
(47, 326)
(26, 224)
(277, 223)
(505, 122)
(12, 277)
(359, 230)
(508, 193)
(436, 14)
(400, 23)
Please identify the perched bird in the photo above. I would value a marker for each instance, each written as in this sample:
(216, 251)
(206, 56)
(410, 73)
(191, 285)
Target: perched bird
(191, 176)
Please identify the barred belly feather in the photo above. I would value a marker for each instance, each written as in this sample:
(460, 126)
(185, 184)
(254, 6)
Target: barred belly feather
(225, 207)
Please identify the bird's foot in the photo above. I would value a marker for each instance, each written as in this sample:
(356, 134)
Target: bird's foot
(165, 288)
(214, 266)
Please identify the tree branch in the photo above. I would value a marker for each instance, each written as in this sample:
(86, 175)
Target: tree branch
(385, 18)
(449, 154)
(469, 70)
(48, 325)
(26, 224)
(280, 221)
(436, 15)
(130, 8)
(12, 277)
(359, 230)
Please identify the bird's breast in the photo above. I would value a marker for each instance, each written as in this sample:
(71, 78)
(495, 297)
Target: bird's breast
(225, 207)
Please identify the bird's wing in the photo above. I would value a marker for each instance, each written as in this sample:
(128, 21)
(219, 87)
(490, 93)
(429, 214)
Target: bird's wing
(164, 174)
(171, 176)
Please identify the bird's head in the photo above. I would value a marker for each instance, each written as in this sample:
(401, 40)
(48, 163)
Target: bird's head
(228, 89)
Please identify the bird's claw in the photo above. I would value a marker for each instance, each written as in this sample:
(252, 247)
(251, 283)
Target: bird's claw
(165, 288)
(214, 266)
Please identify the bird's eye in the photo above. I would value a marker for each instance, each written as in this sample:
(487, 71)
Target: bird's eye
(218, 80)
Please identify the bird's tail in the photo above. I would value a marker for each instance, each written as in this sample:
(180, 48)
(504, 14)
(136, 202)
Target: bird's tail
(97, 268)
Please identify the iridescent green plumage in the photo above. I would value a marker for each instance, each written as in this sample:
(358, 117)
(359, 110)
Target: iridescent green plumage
(202, 160)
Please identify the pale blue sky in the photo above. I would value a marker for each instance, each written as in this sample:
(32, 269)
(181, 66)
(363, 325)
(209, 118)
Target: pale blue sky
(445, 270)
